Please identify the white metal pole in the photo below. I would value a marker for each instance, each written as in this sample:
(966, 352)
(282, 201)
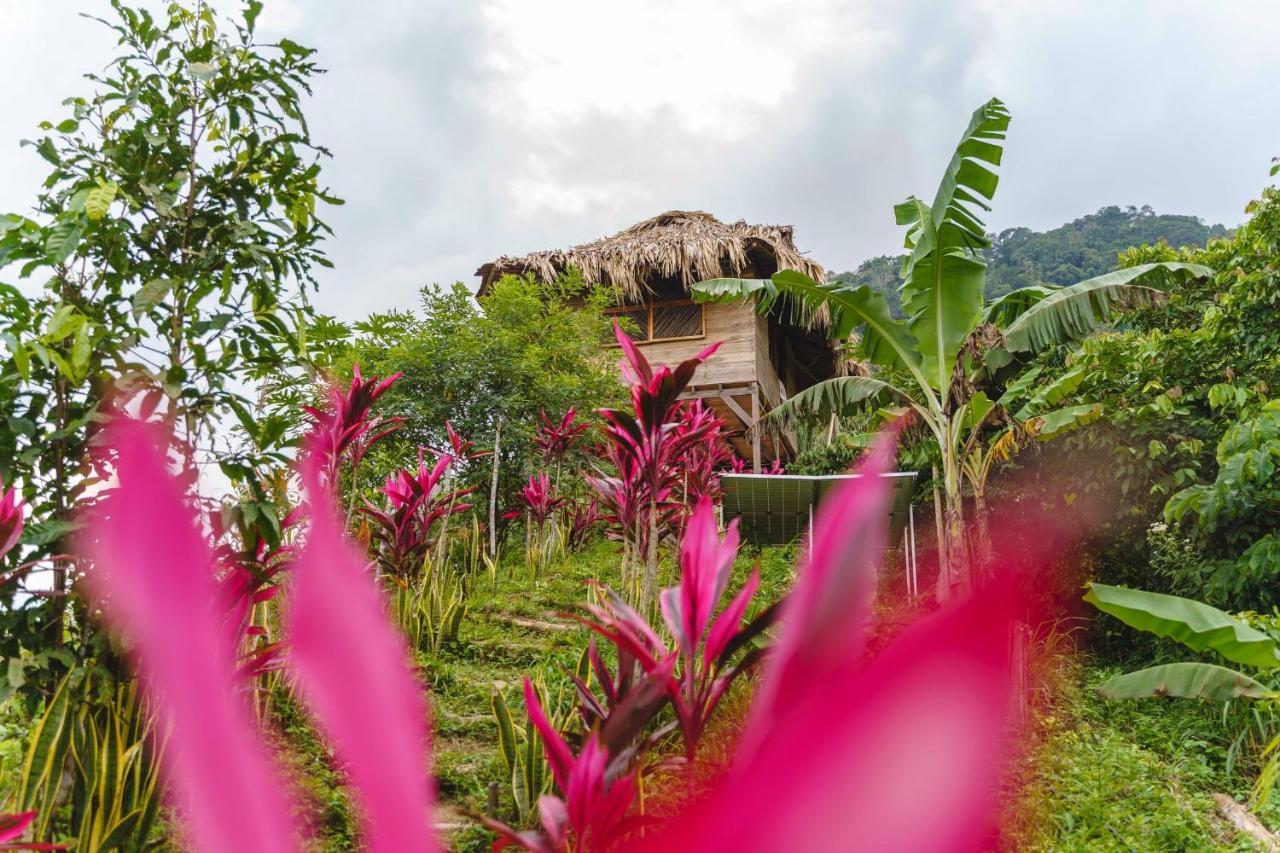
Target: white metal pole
(911, 523)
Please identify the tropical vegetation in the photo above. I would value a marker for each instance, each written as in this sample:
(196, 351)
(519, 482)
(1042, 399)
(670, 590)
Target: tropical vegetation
(458, 574)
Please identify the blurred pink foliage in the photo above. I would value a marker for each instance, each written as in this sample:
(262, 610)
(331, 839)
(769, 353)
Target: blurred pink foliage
(152, 575)
(900, 753)
(11, 507)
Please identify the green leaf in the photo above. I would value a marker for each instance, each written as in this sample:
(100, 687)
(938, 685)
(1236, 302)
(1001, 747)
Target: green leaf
(62, 240)
(1072, 312)
(150, 295)
(836, 396)
(506, 732)
(1186, 681)
(203, 71)
(1050, 395)
(1197, 626)
(99, 199)
(1003, 311)
(1067, 418)
(977, 409)
(944, 276)
(251, 12)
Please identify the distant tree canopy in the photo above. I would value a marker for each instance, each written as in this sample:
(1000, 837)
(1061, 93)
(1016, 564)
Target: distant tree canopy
(1083, 248)
(522, 348)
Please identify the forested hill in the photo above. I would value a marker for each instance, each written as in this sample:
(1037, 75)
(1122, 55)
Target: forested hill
(1078, 250)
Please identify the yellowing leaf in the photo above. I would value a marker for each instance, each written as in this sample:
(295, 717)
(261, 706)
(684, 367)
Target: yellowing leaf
(99, 199)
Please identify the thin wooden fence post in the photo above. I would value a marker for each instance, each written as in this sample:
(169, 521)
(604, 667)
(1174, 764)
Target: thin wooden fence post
(493, 491)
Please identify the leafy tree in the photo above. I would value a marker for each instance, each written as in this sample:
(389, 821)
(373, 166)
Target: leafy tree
(487, 366)
(950, 339)
(1172, 386)
(168, 253)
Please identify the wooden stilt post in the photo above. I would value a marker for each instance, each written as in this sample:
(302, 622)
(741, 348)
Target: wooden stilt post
(755, 428)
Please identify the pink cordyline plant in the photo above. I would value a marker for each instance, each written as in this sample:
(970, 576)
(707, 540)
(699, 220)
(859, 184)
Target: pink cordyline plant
(739, 466)
(153, 577)
(461, 449)
(903, 753)
(11, 507)
(417, 502)
(12, 828)
(644, 446)
(594, 814)
(701, 666)
(700, 464)
(582, 521)
(539, 500)
(344, 429)
(555, 440)
(249, 579)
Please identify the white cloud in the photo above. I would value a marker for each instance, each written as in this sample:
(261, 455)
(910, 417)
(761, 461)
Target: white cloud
(465, 130)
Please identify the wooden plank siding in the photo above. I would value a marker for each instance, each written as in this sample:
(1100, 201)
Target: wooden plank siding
(741, 363)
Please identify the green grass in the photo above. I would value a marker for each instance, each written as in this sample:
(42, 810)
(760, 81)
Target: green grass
(1132, 775)
(513, 629)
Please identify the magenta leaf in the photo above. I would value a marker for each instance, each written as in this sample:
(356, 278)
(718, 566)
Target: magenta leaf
(353, 670)
(153, 577)
(11, 507)
(558, 754)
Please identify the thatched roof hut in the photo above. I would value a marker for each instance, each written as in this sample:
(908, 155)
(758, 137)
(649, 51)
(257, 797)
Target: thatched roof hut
(684, 246)
(762, 359)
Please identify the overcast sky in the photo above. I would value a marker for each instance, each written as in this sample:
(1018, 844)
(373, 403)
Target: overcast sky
(464, 130)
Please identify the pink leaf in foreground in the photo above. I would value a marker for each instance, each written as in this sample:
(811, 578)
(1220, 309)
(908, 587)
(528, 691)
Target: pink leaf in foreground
(826, 617)
(558, 754)
(353, 669)
(153, 576)
(904, 754)
(10, 519)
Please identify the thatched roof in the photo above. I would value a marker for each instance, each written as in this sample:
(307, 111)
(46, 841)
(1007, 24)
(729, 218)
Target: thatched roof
(684, 245)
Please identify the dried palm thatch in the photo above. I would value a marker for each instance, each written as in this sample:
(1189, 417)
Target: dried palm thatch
(686, 246)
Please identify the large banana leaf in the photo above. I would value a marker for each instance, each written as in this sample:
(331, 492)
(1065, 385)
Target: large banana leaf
(1186, 681)
(944, 276)
(1003, 311)
(832, 397)
(1071, 312)
(884, 340)
(1191, 623)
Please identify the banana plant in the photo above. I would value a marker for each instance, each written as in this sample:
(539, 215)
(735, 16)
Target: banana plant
(1201, 628)
(1198, 627)
(1039, 418)
(926, 360)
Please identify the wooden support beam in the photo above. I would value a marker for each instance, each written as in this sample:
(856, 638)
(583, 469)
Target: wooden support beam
(738, 410)
(755, 433)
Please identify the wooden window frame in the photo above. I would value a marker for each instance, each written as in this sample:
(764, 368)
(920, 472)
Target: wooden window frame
(649, 307)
